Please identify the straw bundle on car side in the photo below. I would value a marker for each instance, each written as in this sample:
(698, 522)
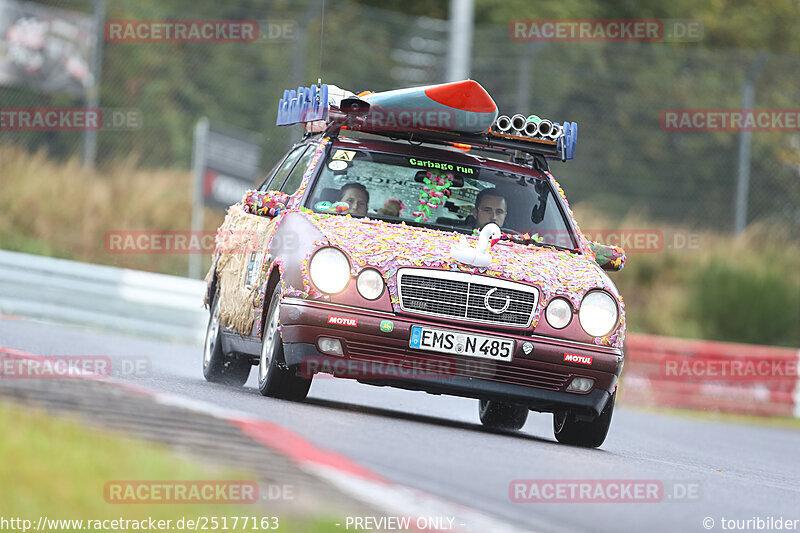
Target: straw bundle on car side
(239, 236)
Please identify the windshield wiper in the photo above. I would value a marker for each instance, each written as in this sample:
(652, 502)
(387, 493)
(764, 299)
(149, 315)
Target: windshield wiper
(428, 225)
(526, 239)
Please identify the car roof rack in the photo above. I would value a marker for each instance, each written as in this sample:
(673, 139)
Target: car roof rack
(329, 109)
(486, 141)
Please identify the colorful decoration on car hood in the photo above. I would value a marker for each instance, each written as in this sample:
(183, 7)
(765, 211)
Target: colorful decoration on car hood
(390, 247)
(266, 203)
(607, 256)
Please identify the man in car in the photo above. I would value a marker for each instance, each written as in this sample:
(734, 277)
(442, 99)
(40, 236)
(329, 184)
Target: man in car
(490, 206)
(357, 196)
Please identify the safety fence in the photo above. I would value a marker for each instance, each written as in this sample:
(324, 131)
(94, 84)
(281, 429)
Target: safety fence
(708, 375)
(113, 299)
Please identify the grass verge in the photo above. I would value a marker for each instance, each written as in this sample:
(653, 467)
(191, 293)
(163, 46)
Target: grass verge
(58, 469)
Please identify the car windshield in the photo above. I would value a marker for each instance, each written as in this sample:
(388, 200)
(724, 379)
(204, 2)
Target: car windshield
(440, 194)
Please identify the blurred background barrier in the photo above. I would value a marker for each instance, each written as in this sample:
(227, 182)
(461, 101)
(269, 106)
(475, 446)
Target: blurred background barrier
(659, 371)
(711, 376)
(113, 299)
(615, 91)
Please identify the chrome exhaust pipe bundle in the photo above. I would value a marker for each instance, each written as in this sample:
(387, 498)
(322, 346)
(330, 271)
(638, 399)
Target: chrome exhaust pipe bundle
(545, 127)
(532, 126)
(518, 123)
(502, 124)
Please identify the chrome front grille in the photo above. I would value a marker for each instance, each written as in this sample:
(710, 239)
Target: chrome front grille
(464, 296)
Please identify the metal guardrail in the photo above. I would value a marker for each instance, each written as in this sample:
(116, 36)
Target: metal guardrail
(109, 298)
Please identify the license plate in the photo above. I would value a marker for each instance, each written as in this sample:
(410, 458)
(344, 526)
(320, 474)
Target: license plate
(453, 342)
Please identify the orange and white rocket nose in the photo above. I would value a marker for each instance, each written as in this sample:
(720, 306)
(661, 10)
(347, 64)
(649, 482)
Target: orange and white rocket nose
(462, 106)
(467, 95)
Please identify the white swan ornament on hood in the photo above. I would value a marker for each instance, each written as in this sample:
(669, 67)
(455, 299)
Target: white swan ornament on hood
(479, 257)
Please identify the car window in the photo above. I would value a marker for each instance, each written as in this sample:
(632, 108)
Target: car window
(269, 177)
(296, 177)
(283, 171)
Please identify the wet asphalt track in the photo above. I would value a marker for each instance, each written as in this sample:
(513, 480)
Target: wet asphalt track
(437, 444)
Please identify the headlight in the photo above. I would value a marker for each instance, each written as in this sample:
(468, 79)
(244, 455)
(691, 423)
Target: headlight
(370, 284)
(598, 313)
(558, 313)
(329, 270)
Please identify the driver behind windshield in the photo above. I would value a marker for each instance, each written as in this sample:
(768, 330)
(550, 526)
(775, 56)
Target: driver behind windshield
(490, 206)
(357, 196)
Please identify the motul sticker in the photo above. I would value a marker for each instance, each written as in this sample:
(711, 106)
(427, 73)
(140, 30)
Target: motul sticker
(582, 359)
(342, 321)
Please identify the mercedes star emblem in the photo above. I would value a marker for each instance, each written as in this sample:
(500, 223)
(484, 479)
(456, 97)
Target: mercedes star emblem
(492, 309)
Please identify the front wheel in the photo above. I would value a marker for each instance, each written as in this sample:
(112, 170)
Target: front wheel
(589, 434)
(502, 415)
(275, 379)
(218, 367)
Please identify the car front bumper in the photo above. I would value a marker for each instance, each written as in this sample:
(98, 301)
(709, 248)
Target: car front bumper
(538, 379)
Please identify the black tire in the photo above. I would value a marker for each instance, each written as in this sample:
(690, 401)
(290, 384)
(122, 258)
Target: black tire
(502, 415)
(219, 367)
(589, 434)
(275, 379)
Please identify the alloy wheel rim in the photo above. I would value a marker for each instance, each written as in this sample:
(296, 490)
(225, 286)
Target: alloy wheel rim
(212, 332)
(268, 347)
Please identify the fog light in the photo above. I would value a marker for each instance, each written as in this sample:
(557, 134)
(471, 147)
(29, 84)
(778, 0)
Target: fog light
(370, 284)
(581, 385)
(329, 346)
(558, 313)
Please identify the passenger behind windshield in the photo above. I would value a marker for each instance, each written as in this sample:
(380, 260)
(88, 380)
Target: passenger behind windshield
(490, 207)
(356, 196)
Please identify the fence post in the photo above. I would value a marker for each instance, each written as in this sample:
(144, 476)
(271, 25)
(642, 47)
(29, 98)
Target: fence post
(745, 138)
(93, 91)
(198, 165)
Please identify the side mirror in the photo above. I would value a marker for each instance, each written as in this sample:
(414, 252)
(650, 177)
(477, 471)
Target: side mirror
(264, 203)
(610, 258)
